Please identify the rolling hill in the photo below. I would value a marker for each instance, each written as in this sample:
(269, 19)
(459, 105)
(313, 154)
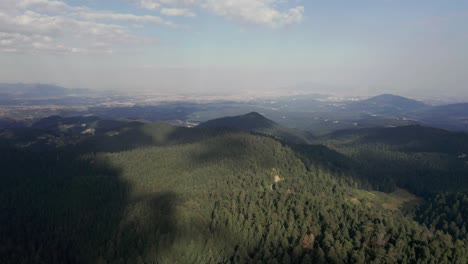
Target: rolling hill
(394, 101)
(255, 122)
(155, 193)
(453, 116)
(413, 157)
(386, 104)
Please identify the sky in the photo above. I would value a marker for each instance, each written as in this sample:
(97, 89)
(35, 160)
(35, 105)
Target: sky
(360, 47)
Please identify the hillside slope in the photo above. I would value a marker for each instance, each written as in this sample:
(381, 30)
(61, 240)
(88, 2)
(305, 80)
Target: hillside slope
(154, 193)
(422, 159)
(255, 122)
(453, 116)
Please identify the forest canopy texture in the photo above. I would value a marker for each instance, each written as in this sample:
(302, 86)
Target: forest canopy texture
(131, 192)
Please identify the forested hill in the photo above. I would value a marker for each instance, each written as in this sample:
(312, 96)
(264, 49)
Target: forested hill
(255, 122)
(406, 138)
(249, 122)
(387, 103)
(154, 193)
(419, 158)
(452, 116)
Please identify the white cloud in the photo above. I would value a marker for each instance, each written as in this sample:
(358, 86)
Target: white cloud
(43, 4)
(261, 12)
(294, 15)
(54, 26)
(16, 42)
(148, 4)
(177, 12)
(126, 17)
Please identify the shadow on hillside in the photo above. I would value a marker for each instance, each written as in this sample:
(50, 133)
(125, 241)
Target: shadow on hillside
(131, 137)
(228, 148)
(148, 228)
(165, 134)
(57, 207)
(319, 157)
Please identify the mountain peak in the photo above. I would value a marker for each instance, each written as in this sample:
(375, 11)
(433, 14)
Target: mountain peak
(254, 115)
(386, 103)
(250, 121)
(256, 122)
(387, 97)
(393, 99)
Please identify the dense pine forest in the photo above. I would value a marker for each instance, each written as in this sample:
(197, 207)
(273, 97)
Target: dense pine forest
(134, 192)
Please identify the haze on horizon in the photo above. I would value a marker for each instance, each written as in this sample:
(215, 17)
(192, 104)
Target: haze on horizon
(352, 47)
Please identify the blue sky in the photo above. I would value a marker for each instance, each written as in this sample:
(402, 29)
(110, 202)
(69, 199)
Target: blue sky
(356, 47)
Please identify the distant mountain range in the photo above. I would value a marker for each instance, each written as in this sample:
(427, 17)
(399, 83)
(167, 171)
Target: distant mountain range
(406, 138)
(452, 116)
(24, 90)
(386, 104)
(313, 113)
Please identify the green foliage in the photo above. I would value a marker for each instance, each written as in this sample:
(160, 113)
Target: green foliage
(153, 193)
(447, 212)
(255, 122)
(421, 159)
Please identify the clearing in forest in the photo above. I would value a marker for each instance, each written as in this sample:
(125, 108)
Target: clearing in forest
(396, 200)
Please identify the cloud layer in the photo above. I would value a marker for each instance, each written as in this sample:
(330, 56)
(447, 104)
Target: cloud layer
(270, 13)
(31, 26)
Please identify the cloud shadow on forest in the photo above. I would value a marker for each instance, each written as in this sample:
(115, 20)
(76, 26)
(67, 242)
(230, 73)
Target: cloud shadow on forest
(59, 207)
